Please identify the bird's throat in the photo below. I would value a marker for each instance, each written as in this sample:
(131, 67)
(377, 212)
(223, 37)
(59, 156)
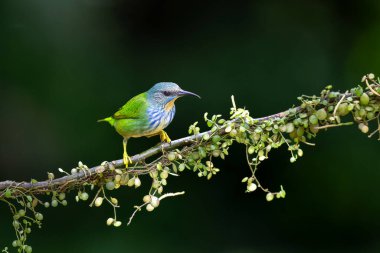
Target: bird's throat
(169, 105)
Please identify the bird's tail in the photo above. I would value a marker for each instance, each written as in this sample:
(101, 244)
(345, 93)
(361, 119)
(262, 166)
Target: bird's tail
(110, 120)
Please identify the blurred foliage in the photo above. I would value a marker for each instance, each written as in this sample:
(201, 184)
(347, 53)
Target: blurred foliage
(65, 64)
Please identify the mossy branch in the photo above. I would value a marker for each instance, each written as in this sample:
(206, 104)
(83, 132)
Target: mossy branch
(293, 127)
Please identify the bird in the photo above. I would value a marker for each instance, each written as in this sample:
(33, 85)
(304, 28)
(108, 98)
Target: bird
(147, 114)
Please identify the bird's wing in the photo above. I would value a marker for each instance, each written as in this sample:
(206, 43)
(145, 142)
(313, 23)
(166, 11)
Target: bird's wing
(135, 108)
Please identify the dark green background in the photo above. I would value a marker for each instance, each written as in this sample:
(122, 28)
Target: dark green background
(65, 64)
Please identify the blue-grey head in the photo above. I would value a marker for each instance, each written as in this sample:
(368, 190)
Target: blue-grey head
(163, 93)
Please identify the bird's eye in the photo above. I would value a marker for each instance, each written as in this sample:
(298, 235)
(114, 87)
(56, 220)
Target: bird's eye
(167, 93)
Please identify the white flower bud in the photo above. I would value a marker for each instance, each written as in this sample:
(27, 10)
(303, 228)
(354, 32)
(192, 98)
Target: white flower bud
(110, 221)
(251, 187)
(154, 201)
(98, 201)
(149, 208)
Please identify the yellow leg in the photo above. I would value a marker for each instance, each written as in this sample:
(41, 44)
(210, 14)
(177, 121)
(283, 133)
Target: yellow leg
(126, 159)
(164, 137)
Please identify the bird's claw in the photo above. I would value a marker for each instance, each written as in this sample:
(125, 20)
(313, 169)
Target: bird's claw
(164, 137)
(127, 160)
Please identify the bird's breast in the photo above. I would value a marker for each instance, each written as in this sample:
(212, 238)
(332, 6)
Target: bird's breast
(159, 118)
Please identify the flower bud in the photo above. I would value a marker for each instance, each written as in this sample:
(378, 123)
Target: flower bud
(155, 202)
(98, 201)
(146, 199)
(149, 208)
(137, 182)
(117, 224)
(269, 196)
(251, 187)
(110, 221)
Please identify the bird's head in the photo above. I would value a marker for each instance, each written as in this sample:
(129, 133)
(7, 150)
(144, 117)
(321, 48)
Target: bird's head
(167, 92)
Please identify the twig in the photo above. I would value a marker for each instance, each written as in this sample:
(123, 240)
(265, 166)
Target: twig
(171, 194)
(335, 125)
(338, 104)
(369, 87)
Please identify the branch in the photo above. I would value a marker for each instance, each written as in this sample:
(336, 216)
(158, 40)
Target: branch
(91, 172)
(293, 128)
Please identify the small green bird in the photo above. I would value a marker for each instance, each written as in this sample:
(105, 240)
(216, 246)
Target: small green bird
(147, 114)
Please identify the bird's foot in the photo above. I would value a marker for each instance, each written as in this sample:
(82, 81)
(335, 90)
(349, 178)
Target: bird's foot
(126, 159)
(164, 137)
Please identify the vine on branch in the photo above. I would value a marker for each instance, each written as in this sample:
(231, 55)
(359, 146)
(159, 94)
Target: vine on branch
(293, 128)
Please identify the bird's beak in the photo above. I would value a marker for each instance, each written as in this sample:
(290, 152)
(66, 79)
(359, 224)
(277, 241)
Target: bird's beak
(183, 93)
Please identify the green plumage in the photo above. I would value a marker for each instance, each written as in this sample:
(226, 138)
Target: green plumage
(131, 119)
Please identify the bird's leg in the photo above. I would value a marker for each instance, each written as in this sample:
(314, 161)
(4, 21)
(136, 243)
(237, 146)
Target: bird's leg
(126, 159)
(164, 137)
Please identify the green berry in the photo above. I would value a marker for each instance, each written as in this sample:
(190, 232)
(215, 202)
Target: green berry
(181, 167)
(216, 153)
(54, 203)
(206, 137)
(46, 204)
(83, 196)
(8, 193)
(300, 131)
(28, 249)
(364, 99)
(343, 109)
(62, 196)
(289, 127)
(251, 150)
(21, 212)
(321, 114)
(64, 202)
(370, 115)
(269, 196)
(110, 185)
(164, 174)
(156, 184)
(216, 138)
(313, 119)
(171, 156)
(39, 216)
(233, 133)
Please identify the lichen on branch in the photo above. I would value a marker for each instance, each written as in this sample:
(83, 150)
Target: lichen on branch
(293, 128)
